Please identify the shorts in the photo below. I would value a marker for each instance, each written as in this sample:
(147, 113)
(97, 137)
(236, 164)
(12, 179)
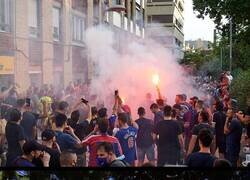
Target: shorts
(149, 152)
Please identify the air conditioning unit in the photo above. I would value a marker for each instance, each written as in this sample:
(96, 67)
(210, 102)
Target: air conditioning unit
(33, 31)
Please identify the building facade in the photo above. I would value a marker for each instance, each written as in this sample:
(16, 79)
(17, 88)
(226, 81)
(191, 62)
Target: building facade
(43, 41)
(165, 24)
(198, 44)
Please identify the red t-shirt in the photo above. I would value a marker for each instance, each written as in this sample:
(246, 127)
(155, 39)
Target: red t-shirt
(93, 141)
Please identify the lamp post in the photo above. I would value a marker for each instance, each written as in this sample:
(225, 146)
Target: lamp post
(230, 51)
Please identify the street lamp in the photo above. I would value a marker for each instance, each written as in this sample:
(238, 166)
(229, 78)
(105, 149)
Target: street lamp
(230, 51)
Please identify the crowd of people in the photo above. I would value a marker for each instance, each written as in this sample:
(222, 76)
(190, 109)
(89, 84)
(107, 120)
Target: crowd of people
(44, 128)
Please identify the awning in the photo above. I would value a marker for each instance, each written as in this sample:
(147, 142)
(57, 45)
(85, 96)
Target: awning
(6, 65)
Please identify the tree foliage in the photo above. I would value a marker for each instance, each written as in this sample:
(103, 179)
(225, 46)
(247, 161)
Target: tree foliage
(218, 10)
(240, 88)
(197, 58)
(221, 11)
(211, 68)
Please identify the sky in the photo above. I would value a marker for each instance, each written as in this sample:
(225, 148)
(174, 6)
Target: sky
(195, 28)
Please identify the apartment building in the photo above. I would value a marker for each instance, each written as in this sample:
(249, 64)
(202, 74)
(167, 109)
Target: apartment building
(43, 41)
(165, 24)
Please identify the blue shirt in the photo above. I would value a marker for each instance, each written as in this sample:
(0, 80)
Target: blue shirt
(112, 119)
(127, 138)
(21, 162)
(28, 122)
(65, 141)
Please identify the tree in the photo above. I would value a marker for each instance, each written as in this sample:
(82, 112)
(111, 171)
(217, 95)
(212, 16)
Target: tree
(221, 11)
(197, 58)
(218, 10)
(240, 88)
(211, 68)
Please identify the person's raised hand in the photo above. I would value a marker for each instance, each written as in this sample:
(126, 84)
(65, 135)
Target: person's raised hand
(69, 130)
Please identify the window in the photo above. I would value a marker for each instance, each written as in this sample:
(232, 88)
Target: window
(178, 42)
(78, 29)
(150, 1)
(96, 9)
(179, 25)
(56, 23)
(5, 15)
(33, 17)
(180, 6)
(116, 2)
(162, 18)
(149, 19)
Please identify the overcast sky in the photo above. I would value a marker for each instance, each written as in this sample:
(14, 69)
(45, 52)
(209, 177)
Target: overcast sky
(194, 27)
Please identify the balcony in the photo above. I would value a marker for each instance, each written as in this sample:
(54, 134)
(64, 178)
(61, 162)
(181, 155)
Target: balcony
(117, 5)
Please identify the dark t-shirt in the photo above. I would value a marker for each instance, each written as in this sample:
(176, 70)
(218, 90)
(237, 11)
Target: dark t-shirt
(28, 122)
(144, 137)
(248, 125)
(119, 163)
(21, 162)
(181, 125)
(168, 131)
(37, 162)
(196, 131)
(71, 123)
(195, 118)
(233, 137)
(81, 131)
(92, 124)
(54, 161)
(14, 134)
(219, 118)
(187, 116)
(199, 159)
(158, 117)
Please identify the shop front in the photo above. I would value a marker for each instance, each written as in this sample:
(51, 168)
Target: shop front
(6, 71)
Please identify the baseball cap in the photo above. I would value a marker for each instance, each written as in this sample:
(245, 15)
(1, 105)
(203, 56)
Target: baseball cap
(47, 135)
(32, 145)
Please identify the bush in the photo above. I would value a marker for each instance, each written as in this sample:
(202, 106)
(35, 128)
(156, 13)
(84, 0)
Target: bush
(240, 88)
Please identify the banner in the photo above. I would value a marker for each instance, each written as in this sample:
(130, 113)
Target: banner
(6, 65)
